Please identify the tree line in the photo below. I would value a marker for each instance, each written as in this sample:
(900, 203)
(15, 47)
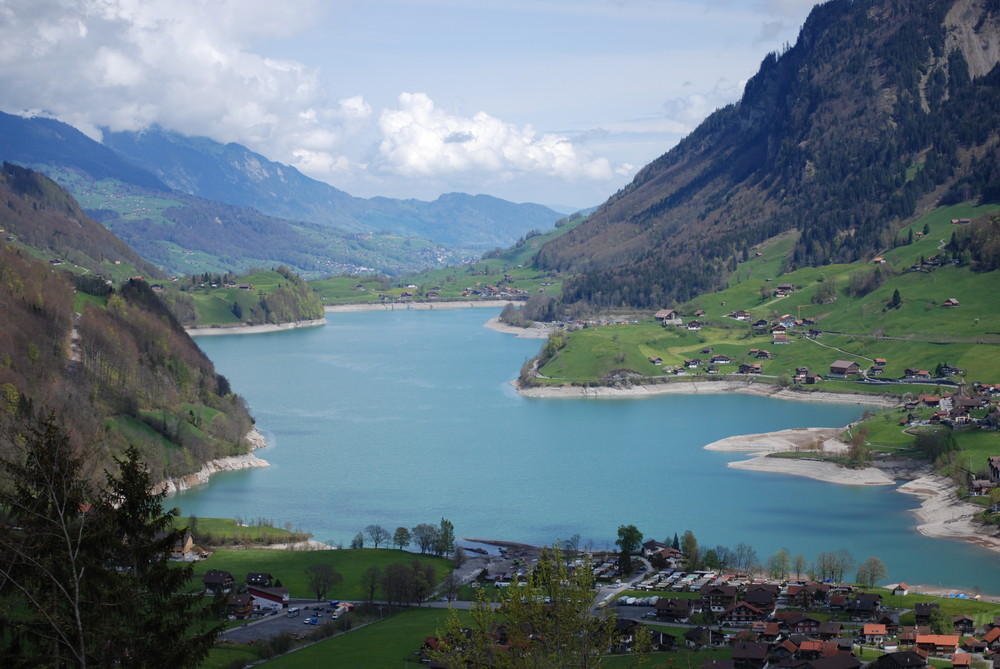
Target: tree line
(430, 539)
(743, 558)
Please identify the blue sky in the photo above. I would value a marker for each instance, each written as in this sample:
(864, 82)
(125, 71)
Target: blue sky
(552, 101)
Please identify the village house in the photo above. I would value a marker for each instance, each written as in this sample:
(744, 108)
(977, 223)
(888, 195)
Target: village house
(842, 368)
(963, 624)
(674, 609)
(750, 655)
(829, 630)
(717, 597)
(268, 598)
(994, 464)
(765, 630)
(741, 614)
(668, 317)
(908, 635)
(904, 659)
(239, 606)
(961, 660)
(218, 582)
(803, 624)
(865, 606)
(259, 579)
(764, 596)
(625, 630)
(937, 644)
(874, 634)
(702, 637)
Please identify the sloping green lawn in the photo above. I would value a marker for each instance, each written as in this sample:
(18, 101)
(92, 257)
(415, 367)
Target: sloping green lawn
(290, 566)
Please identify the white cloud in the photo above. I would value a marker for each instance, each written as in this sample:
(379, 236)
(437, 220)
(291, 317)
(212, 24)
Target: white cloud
(187, 65)
(420, 140)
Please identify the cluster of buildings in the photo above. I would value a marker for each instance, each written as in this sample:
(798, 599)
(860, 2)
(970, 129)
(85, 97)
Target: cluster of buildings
(260, 594)
(789, 625)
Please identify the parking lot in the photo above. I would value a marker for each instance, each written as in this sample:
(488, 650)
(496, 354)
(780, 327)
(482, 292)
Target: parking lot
(269, 626)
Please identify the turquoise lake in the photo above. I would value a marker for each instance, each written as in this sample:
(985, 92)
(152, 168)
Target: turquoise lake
(405, 417)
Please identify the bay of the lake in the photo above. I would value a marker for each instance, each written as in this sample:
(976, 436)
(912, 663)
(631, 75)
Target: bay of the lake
(404, 417)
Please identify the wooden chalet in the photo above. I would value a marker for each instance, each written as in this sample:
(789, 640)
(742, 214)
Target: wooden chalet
(829, 630)
(218, 581)
(844, 368)
(840, 661)
(905, 659)
(764, 596)
(964, 624)
(937, 644)
(922, 612)
(674, 609)
(750, 655)
(717, 597)
(741, 614)
(961, 660)
(701, 637)
(908, 635)
(239, 605)
(803, 624)
(865, 606)
(259, 579)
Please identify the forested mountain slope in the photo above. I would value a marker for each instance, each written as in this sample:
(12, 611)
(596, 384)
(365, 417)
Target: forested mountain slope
(881, 109)
(112, 364)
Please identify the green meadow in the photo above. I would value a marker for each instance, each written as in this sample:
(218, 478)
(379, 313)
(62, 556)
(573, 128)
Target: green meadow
(920, 332)
(290, 566)
(510, 269)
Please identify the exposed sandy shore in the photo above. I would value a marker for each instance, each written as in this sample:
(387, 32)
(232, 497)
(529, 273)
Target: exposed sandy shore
(232, 463)
(253, 329)
(536, 331)
(400, 306)
(822, 440)
(943, 515)
(940, 514)
(710, 388)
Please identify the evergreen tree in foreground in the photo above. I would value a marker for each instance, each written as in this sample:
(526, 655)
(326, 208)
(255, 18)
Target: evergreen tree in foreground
(84, 578)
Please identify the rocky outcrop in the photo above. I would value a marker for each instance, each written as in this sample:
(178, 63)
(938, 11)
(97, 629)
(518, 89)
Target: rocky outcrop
(232, 463)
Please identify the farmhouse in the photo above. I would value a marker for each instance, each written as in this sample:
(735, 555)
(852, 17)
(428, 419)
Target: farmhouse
(844, 368)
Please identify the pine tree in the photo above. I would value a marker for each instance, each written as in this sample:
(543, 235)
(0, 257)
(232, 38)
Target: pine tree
(83, 567)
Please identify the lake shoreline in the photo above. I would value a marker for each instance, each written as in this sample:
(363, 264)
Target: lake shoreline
(706, 388)
(231, 463)
(411, 306)
(243, 328)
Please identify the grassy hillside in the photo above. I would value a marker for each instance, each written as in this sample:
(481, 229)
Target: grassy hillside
(920, 332)
(289, 566)
(510, 270)
(258, 298)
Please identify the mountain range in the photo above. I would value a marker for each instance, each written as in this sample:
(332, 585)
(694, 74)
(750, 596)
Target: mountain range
(167, 195)
(882, 110)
